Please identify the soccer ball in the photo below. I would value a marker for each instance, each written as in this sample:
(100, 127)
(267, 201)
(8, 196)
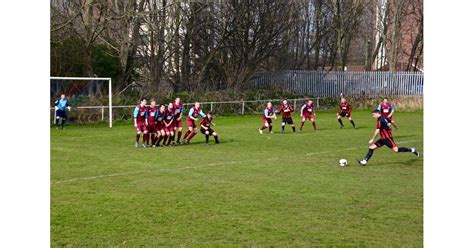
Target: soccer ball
(342, 162)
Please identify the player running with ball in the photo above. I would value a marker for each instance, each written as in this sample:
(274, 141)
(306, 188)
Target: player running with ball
(140, 120)
(307, 114)
(268, 115)
(345, 110)
(207, 130)
(193, 114)
(286, 110)
(386, 139)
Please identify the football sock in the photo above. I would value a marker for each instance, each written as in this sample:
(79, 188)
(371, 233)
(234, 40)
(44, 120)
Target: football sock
(62, 123)
(282, 128)
(186, 134)
(353, 124)
(270, 128)
(404, 149)
(301, 125)
(207, 139)
(57, 123)
(170, 139)
(314, 125)
(137, 137)
(340, 122)
(216, 139)
(191, 136)
(369, 154)
(179, 135)
(263, 127)
(294, 129)
(165, 139)
(145, 138)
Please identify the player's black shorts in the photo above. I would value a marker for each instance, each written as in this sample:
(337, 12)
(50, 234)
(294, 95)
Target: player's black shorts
(203, 131)
(288, 120)
(386, 142)
(345, 114)
(60, 113)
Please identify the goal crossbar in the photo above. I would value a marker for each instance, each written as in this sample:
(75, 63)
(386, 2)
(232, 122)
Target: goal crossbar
(93, 78)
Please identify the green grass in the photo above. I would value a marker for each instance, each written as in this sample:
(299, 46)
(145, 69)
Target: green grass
(251, 190)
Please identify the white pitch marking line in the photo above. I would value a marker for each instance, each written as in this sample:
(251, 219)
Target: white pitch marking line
(100, 176)
(208, 165)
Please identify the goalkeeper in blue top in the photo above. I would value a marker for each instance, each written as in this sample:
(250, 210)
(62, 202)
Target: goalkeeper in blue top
(60, 106)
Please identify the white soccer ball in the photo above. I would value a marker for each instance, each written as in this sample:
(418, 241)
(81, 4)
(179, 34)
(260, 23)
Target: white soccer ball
(342, 162)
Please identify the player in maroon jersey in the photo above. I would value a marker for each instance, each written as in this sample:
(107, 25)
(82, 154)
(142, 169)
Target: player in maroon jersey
(307, 113)
(159, 119)
(178, 114)
(193, 115)
(152, 131)
(286, 109)
(140, 122)
(268, 115)
(206, 128)
(386, 139)
(345, 110)
(387, 109)
(168, 124)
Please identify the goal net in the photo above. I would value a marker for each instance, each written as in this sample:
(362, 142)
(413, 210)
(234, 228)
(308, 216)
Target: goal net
(90, 98)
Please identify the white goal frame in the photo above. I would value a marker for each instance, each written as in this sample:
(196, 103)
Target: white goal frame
(93, 78)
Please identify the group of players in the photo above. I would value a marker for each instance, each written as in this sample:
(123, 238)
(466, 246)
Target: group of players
(161, 124)
(383, 114)
(307, 113)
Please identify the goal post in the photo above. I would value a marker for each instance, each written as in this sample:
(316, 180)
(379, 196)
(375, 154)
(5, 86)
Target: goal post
(92, 79)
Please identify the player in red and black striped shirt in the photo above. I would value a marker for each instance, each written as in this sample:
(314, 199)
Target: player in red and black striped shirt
(383, 129)
(345, 110)
(206, 129)
(286, 109)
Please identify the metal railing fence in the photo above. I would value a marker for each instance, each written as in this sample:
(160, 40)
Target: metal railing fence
(331, 84)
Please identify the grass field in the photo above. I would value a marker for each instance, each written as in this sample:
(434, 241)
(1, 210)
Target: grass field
(250, 190)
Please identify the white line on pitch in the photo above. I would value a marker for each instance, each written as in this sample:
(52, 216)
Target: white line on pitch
(100, 176)
(205, 165)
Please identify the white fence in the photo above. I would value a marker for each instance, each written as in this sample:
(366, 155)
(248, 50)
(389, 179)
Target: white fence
(92, 114)
(331, 84)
